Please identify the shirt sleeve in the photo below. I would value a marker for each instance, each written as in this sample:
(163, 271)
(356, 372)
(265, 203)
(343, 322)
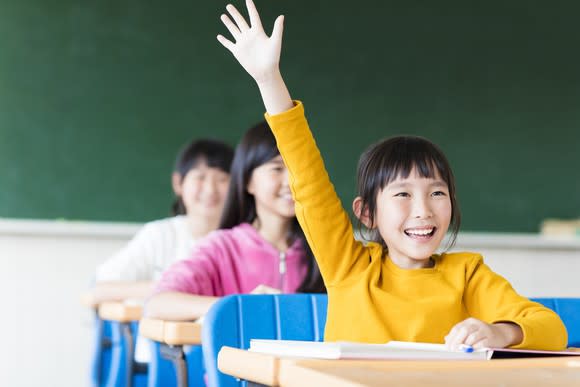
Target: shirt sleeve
(199, 274)
(491, 298)
(135, 261)
(326, 224)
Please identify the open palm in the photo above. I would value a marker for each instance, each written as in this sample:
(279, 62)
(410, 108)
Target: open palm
(258, 54)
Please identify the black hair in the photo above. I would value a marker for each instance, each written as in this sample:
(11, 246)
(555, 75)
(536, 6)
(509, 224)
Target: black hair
(258, 146)
(396, 157)
(212, 153)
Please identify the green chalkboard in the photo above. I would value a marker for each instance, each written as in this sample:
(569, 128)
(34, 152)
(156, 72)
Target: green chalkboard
(96, 97)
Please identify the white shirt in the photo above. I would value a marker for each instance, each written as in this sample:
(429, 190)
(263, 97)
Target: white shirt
(153, 249)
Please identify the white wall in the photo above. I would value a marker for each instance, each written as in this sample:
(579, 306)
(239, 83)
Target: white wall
(46, 335)
(536, 266)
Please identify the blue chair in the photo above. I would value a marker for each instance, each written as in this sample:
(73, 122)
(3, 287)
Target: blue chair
(113, 363)
(569, 311)
(123, 370)
(162, 371)
(113, 351)
(101, 359)
(234, 320)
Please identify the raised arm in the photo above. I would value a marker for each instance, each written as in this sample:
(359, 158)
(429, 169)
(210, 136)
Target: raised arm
(258, 54)
(326, 225)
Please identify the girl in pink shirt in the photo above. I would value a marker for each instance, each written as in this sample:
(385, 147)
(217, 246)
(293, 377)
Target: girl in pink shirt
(259, 246)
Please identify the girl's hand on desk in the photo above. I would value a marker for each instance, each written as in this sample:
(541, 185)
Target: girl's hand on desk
(263, 289)
(258, 54)
(479, 334)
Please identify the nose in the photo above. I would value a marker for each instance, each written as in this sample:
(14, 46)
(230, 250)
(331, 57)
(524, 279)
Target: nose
(210, 186)
(421, 208)
(286, 178)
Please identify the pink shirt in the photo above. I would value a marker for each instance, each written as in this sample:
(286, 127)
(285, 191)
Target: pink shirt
(235, 261)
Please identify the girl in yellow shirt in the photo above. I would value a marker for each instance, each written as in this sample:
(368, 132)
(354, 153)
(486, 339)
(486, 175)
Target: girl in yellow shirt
(395, 287)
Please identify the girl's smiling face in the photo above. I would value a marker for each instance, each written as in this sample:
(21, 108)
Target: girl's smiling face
(269, 186)
(412, 217)
(203, 190)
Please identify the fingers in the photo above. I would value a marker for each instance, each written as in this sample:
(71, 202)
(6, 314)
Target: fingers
(457, 336)
(226, 43)
(482, 343)
(238, 18)
(264, 289)
(466, 332)
(475, 338)
(278, 28)
(257, 290)
(234, 30)
(255, 21)
(270, 290)
(472, 332)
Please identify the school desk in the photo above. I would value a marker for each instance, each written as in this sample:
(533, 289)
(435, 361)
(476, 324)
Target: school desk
(171, 332)
(287, 372)
(120, 311)
(180, 343)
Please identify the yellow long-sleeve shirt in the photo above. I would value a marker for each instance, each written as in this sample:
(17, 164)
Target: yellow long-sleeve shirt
(370, 299)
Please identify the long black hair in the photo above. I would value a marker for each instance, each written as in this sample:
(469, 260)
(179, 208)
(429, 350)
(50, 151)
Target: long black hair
(257, 147)
(213, 153)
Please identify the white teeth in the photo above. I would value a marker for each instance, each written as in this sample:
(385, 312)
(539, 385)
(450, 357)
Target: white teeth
(420, 232)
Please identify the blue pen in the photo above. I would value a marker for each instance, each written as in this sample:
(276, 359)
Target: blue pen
(466, 348)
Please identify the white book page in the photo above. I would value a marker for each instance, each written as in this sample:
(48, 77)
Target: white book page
(350, 350)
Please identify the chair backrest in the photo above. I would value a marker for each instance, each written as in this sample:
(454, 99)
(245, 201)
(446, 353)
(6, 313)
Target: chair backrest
(569, 311)
(234, 320)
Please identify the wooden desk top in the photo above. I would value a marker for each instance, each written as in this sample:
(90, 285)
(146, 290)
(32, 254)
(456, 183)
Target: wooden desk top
(120, 311)
(171, 332)
(287, 372)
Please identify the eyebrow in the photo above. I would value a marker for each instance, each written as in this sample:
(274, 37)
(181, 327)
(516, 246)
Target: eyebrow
(438, 183)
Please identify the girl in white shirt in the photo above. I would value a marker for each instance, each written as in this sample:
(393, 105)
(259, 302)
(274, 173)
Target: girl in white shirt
(200, 181)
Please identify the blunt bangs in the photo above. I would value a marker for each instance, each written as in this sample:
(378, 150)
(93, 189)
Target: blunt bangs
(211, 153)
(397, 160)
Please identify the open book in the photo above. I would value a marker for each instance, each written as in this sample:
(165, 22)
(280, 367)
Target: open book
(395, 350)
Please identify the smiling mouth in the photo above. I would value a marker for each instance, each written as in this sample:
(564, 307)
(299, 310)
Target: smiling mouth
(421, 233)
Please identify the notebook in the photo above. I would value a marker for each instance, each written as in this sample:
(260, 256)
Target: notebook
(395, 350)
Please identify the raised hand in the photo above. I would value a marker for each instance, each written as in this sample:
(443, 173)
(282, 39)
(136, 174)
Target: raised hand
(258, 54)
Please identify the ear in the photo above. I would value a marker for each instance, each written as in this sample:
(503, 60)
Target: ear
(250, 186)
(361, 213)
(176, 183)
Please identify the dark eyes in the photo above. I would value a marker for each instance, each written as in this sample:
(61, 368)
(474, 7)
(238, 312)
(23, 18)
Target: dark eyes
(220, 178)
(406, 194)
